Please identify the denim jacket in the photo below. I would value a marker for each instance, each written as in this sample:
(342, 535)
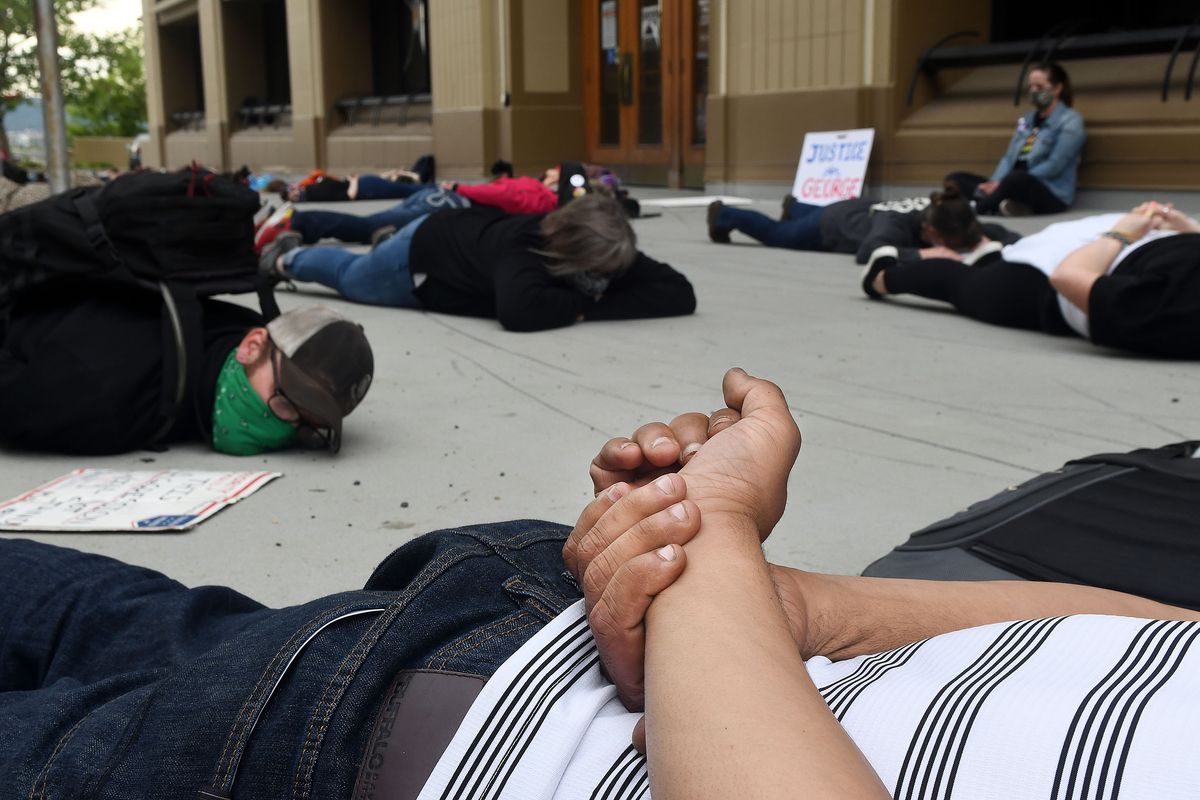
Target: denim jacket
(1054, 159)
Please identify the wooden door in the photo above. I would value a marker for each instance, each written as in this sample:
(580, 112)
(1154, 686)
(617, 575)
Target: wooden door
(640, 106)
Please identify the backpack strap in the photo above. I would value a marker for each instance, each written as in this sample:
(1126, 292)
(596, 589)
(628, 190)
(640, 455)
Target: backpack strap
(182, 336)
(97, 237)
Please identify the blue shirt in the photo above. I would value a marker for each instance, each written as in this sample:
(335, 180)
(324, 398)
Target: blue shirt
(1054, 157)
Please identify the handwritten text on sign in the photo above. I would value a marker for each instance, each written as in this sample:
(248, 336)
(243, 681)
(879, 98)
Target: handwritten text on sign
(833, 165)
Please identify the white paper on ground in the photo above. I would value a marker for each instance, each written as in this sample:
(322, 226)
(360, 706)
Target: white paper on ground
(120, 500)
(688, 202)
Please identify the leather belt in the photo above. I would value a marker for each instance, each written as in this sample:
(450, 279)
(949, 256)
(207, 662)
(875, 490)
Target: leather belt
(421, 712)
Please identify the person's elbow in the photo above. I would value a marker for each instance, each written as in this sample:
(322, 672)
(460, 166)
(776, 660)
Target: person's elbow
(520, 321)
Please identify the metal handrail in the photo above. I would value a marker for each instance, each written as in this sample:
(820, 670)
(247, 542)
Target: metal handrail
(924, 60)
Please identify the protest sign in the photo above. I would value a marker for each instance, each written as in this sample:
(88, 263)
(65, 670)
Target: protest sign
(116, 500)
(832, 166)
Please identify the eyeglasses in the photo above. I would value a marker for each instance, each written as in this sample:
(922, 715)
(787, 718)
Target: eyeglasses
(310, 436)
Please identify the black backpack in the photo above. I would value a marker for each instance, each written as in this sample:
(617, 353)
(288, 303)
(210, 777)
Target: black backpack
(181, 235)
(1124, 521)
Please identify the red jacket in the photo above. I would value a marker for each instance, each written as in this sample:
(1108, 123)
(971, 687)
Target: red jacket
(522, 195)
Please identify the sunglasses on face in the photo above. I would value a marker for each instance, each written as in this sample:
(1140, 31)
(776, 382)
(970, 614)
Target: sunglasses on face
(310, 436)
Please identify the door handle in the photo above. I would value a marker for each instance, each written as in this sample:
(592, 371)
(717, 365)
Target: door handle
(627, 78)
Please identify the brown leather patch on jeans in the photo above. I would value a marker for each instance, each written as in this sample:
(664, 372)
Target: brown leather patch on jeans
(420, 714)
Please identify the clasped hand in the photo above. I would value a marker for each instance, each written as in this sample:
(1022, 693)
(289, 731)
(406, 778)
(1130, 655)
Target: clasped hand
(653, 489)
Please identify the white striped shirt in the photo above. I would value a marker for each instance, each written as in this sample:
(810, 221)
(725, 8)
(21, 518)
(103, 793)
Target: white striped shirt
(1071, 707)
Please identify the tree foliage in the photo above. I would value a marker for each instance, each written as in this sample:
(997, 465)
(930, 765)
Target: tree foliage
(18, 47)
(106, 85)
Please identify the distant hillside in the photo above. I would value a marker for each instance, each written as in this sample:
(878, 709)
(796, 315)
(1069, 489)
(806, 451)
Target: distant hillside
(27, 116)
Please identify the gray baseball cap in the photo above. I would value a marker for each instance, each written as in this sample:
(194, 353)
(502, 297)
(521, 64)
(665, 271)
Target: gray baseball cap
(325, 370)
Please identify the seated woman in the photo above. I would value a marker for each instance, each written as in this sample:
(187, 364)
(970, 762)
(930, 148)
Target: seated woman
(919, 227)
(1037, 173)
(1130, 282)
(470, 667)
(529, 272)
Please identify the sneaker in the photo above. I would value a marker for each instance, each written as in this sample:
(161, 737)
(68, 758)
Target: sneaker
(276, 224)
(284, 242)
(1012, 208)
(789, 202)
(715, 232)
(881, 259)
(381, 235)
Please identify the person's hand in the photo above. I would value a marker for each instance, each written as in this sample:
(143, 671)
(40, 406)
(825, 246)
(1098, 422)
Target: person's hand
(987, 187)
(656, 448)
(940, 252)
(1172, 219)
(447, 186)
(1140, 221)
(743, 471)
(624, 550)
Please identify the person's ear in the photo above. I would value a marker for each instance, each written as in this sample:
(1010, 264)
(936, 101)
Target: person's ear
(254, 347)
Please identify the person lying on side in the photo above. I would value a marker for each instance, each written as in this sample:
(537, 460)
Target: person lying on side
(1126, 281)
(531, 273)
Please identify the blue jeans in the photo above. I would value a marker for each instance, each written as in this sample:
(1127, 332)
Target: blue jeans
(800, 231)
(314, 226)
(380, 277)
(374, 187)
(117, 682)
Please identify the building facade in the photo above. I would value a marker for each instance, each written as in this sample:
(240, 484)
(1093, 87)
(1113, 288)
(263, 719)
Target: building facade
(669, 92)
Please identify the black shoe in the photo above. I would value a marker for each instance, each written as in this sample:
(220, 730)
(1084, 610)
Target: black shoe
(283, 243)
(881, 259)
(381, 235)
(715, 232)
(789, 202)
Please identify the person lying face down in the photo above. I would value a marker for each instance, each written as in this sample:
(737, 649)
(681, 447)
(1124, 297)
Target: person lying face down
(938, 226)
(513, 661)
(580, 262)
(91, 370)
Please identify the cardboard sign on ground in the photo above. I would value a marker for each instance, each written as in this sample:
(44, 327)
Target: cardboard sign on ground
(833, 165)
(117, 500)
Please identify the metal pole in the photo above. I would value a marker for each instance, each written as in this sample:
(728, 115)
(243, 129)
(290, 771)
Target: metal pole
(58, 166)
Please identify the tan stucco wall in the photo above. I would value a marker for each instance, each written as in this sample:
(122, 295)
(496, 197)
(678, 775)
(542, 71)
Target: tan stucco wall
(112, 150)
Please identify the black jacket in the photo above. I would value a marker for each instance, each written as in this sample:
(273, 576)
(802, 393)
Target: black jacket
(86, 371)
(480, 262)
(1151, 301)
(853, 226)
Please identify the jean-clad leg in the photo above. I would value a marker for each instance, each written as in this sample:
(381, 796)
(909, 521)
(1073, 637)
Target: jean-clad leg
(375, 187)
(801, 231)
(314, 226)
(380, 277)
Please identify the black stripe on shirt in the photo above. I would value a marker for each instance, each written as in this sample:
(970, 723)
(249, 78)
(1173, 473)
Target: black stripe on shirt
(842, 693)
(955, 701)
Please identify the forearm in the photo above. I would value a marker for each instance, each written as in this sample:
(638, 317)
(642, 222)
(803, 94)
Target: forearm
(731, 711)
(846, 616)
(1077, 273)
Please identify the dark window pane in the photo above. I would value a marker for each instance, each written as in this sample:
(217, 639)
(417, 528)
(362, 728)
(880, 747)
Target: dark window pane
(399, 47)
(610, 75)
(649, 80)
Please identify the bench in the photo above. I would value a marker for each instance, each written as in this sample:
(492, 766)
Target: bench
(258, 115)
(375, 105)
(1061, 42)
(188, 120)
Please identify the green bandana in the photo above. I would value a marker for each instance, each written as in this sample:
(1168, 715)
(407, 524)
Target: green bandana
(242, 422)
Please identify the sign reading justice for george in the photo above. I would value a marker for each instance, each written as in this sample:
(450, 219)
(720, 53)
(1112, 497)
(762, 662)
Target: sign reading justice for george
(833, 165)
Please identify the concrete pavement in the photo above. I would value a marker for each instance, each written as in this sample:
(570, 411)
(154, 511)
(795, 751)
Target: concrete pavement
(909, 412)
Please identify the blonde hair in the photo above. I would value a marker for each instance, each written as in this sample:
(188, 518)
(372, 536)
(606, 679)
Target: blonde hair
(588, 234)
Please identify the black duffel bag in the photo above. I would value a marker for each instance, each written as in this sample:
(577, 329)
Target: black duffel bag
(1124, 521)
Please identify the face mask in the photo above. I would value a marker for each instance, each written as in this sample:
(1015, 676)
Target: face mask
(1042, 98)
(243, 424)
